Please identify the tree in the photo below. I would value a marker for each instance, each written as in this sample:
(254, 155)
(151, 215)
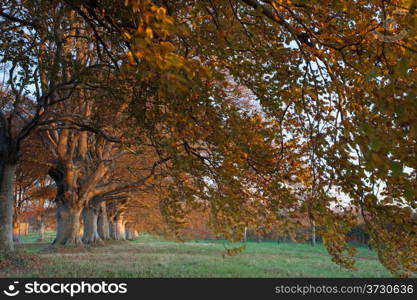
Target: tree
(328, 74)
(327, 82)
(33, 190)
(41, 204)
(41, 73)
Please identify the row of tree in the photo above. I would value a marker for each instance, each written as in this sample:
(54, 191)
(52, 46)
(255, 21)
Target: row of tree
(254, 111)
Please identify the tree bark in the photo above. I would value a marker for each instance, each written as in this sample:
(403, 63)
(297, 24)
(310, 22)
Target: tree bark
(119, 233)
(90, 235)
(131, 233)
(112, 229)
(41, 229)
(103, 223)
(68, 205)
(313, 233)
(68, 225)
(122, 229)
(7, 174)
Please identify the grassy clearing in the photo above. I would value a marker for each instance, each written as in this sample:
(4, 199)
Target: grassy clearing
(152, 257)
(32, 237)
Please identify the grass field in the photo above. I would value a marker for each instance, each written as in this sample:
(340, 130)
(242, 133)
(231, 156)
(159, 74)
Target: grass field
(152, 257)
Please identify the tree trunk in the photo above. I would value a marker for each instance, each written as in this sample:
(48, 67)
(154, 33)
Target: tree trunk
(41, 229)
(68, 205)
(135, 234)
(119, 229)
(123, 229)
(68, 225)
(129, 233)
(313, 233)
(103, 223)
(16, 239)
(112, 230)
(90, 235)
(7, 174)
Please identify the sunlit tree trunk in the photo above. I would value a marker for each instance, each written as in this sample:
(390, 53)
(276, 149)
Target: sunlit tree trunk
(313, 233)
(41, 229)
(69, 203)
(112, 229)
(16, 231)
(68, 209)
(119, 232)
(103, 223)
(131, 233)
(135, 234)
(90, 217)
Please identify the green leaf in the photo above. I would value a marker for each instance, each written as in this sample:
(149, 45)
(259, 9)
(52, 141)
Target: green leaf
(396, 168)
(402, 66)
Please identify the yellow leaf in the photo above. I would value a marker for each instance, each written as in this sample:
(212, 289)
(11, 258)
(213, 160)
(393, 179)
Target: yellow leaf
(149, 33)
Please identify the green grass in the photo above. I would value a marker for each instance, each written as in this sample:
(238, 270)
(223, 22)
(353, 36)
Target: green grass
(32, 237)
(153, 257)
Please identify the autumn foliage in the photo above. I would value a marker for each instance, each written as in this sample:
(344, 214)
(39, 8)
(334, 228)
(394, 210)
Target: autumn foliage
(162, 116)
